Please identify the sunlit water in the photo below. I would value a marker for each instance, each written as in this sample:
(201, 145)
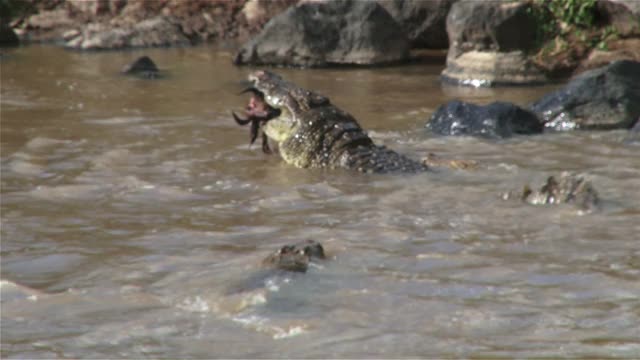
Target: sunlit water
(135, 217)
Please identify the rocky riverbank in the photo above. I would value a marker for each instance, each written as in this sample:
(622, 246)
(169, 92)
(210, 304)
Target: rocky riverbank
(118, 24)
(489, 42)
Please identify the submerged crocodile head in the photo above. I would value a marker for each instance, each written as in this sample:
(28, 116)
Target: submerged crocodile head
(312, 132)
(295, 257)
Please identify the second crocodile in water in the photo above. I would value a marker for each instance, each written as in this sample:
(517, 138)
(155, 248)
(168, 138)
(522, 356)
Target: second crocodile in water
(313, 133)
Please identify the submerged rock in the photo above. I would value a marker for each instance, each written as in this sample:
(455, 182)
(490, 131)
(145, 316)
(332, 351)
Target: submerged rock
(569, 188)
(599, 99)
(143, 67)
(496, 120)
(488, 44)
(328, 33)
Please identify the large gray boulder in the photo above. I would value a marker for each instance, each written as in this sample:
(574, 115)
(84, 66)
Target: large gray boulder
(623, 15)
(314, 34)
(488, 44)
(599, 99)
(424, 22)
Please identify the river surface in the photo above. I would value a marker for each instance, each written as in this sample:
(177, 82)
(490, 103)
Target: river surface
(135, 217)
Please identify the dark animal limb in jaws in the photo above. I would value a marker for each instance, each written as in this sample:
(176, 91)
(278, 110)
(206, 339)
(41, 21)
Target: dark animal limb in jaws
(258, 113)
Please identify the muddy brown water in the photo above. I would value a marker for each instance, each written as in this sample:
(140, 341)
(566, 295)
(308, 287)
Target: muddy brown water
(134, 213)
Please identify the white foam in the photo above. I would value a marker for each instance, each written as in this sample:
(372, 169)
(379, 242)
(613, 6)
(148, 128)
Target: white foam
(195, 304)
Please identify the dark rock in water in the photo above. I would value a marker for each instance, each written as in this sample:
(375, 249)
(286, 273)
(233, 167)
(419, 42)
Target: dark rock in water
(568, 189)
(496, 120)
(489, 43)
(295, 257)
(599, 99)
(143, 67)
(8, 37)
(424, 22)
(328, 33)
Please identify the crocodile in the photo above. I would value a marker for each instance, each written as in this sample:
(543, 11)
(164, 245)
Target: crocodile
(295, 257)
(568, 188)
(287, 261)
(311, 132)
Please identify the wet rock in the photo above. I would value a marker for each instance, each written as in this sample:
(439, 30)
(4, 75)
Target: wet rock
(569, 188)
(8, 37)
(491, 68)
(155, 32)
(488, 44)
(496, 120)
(328, 33)
(295, 257)
(143, 67)
(603, 98)
(424, 22)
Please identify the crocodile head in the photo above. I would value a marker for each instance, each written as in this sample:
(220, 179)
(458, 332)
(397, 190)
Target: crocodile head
(311, 132)
(295, 257)
(304, 122)
(291, 100)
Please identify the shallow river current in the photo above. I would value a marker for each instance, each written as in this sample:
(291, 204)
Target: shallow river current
(135, 217)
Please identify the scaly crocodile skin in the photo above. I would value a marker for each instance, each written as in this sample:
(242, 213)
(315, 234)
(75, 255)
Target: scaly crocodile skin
(313, 133)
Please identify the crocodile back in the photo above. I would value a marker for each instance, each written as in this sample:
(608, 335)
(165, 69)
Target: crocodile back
(329, 137)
